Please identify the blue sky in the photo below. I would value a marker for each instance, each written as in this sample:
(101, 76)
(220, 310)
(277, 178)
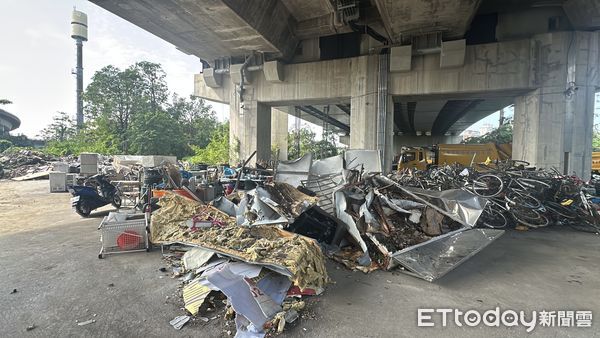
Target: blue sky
(38, 55)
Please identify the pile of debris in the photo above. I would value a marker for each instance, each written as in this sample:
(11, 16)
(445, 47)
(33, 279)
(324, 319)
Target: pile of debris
(261, 269)
(259, 251)
(23, 162)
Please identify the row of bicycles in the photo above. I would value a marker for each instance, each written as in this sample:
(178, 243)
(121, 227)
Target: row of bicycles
(516, 194)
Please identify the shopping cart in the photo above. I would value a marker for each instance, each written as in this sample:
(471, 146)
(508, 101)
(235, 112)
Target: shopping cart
(123, 235)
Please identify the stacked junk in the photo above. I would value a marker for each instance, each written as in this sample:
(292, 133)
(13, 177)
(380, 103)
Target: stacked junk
(260, 253)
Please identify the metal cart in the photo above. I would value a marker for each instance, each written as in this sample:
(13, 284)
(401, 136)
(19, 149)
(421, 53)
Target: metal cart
(129, 235)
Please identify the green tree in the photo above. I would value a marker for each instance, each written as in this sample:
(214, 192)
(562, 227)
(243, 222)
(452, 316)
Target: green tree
(157, 133)
(5, 101)
(115, 97)
(197, 119)
(500, 135)
(5, 144)
(127, 112)
(153, 85)
(217, 150)
(302, 141)
(61, 128)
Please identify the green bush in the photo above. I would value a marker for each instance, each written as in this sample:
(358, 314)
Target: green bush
(5, 144)
(217, 150)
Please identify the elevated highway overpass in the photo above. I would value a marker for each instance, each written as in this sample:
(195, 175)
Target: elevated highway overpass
(387, 73)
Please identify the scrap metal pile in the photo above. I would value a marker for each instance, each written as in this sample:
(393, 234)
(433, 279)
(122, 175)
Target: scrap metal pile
(517, 195)
(263, 248)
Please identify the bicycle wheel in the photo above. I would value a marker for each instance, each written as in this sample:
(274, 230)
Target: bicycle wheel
(487, 185)
(531, 184)
(492, 219)
(516, 198)
(560, 210)
(585, 222)
(584, 226)
(528, 217)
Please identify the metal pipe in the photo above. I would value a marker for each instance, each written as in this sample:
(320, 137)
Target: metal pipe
(254, 68)
(249, 68)
(79, 89)
(382, 93)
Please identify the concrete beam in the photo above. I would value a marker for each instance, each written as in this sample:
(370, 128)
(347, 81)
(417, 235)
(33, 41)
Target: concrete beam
(487, 67)
(308, 9)
(324, 117)
(211, 29)
(415, 17)
(584, 14)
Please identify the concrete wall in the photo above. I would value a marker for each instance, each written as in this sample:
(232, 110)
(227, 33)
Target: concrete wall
(553, 128)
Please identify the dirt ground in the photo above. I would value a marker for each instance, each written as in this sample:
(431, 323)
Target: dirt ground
(49, 255)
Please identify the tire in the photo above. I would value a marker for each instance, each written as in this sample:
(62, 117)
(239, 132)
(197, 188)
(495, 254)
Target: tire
(492, 219)
(487, 186)
(522, 200)
(116, 201)
(584, 222)
(530, 218)
(560, 210)
(83, 209)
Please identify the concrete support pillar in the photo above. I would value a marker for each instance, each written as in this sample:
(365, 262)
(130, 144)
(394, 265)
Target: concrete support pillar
(363, 105)
(279, 132)
(553, 124)
(250, 129)
(390, 149)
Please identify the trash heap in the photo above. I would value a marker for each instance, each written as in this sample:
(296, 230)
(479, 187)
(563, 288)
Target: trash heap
(260, 268)
(23, 162)
(261, 250)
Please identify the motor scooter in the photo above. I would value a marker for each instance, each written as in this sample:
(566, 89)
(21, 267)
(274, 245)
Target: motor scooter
(96, 192)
